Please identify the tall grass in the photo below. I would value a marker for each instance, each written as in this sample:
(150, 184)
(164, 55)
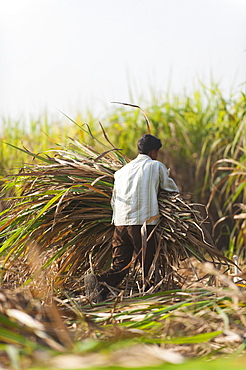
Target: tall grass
(196, 130)
(229, 179)
(37, 135)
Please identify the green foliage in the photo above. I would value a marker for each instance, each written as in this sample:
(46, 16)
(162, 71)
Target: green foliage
(195, 130)
(36, 135)
(229, 179)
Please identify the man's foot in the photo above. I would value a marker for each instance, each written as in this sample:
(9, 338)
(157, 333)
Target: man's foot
(92, 288)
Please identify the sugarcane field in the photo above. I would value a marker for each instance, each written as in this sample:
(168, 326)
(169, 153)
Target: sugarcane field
(57, 182)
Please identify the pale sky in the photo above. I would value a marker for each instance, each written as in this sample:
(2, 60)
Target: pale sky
(70, 55)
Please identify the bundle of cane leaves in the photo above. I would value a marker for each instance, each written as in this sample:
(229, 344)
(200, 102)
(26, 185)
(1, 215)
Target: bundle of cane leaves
(181, 235)
(62, 209)
(60, 220)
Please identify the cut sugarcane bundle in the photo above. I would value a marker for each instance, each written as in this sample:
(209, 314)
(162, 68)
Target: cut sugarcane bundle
(61, 210)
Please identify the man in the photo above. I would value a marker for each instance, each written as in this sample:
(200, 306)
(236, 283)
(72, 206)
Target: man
(134, 202)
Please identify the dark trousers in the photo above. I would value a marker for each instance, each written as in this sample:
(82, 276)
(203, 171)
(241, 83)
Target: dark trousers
(126, 240)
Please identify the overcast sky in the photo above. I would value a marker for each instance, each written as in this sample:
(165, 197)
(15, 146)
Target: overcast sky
(73, 54)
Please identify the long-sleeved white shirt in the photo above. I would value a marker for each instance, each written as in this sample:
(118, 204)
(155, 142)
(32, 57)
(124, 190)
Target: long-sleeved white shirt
(136, 186)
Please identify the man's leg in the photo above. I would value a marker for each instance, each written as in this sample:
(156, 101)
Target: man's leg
(122, 255)
(135, 232)
(125, 240)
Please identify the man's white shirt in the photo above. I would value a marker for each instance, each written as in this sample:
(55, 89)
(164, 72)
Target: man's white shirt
(134, 199)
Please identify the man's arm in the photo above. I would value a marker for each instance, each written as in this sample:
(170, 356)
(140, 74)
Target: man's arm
(166, 182)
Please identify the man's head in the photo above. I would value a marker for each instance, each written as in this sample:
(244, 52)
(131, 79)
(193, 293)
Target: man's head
(150, 145)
